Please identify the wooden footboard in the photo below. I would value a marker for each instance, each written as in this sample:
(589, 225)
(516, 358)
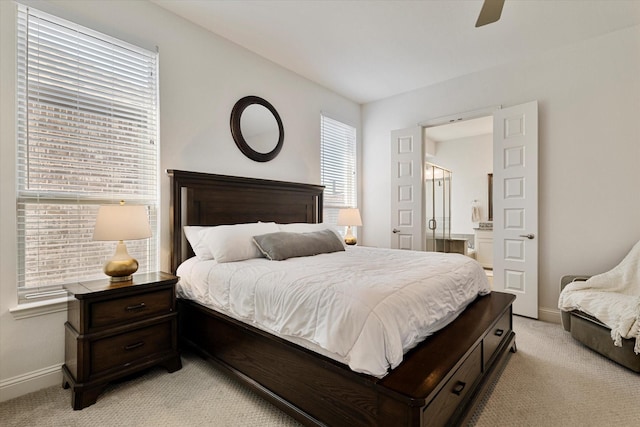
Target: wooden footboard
(438, 383)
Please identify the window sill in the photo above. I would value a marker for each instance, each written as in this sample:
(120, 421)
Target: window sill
(40, 308)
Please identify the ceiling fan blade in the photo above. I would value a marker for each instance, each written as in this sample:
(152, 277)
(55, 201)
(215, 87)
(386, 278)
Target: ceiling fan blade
(490, 12)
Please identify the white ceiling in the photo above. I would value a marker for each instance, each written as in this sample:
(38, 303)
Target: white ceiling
(369, 50)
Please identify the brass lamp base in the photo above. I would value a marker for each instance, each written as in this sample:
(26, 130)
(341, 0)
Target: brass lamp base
(349, 238)
(121, 266)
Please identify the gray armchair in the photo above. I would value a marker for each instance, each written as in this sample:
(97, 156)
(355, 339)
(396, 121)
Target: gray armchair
(596, 335)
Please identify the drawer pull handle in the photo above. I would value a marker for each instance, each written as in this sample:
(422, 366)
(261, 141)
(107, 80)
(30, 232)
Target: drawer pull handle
(499, 332)
(133, 346)
(458, 388)
(136, 307)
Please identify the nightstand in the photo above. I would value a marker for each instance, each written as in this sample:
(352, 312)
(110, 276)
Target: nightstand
(116, 329)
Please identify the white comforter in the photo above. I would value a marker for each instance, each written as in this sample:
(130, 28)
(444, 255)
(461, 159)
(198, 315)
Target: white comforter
(366, 306)
(612, 297)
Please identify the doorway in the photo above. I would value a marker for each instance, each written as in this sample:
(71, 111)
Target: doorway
(514, 190)
(465, 148)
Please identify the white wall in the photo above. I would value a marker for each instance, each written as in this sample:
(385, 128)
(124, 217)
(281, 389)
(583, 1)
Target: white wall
(589, 150)
(469, 159)
(201, 77)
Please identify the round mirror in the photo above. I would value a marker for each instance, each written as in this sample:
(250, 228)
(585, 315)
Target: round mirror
(257, 128)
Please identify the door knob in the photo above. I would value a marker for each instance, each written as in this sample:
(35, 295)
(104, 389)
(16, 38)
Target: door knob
(395, 230)
(528, 236)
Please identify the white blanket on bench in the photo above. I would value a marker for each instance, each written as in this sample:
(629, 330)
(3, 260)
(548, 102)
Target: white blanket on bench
(612, 297)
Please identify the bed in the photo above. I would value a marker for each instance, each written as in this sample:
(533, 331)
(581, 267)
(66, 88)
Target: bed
(439, 381)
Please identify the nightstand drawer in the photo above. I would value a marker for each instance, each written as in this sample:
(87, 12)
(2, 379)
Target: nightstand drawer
(130, 308)
(124, 349)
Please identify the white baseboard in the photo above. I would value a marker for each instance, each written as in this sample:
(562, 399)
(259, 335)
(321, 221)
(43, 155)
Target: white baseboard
(551, 315)
(30, 382)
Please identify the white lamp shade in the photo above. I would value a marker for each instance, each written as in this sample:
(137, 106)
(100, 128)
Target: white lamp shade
(349, 216)
(122, 222)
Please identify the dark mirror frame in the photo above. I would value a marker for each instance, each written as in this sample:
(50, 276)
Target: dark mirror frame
(236, 131)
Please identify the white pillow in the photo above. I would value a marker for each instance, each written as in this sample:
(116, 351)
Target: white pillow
(304, 227)
(230, 243)
(194, 236)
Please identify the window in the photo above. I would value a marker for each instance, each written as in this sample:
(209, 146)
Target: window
(338, 167)
(86, 135)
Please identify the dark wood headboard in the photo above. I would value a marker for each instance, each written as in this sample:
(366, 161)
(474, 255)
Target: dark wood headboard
(208, 199)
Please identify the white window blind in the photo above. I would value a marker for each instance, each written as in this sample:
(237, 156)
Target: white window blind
(87, 135)
(338, 167)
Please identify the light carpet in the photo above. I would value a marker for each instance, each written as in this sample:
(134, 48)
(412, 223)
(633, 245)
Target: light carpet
(551, 381)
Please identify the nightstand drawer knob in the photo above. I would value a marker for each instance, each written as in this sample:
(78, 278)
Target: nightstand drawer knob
(136, 307)
(499, 332)
(133, 346)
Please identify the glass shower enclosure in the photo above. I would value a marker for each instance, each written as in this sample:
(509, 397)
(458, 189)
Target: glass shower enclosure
(438, 208)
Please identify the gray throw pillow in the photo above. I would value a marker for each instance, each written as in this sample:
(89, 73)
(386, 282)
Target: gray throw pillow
(282, 245)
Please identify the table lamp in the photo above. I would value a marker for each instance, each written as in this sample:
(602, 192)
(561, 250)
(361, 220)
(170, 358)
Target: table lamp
(349, 217)
(119, 223)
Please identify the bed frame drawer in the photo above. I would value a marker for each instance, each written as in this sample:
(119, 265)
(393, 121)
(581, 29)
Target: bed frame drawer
(498, 332)
(450, 397)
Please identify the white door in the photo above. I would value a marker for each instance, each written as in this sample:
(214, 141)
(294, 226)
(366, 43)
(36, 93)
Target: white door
(407, 201)
(515, 205)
